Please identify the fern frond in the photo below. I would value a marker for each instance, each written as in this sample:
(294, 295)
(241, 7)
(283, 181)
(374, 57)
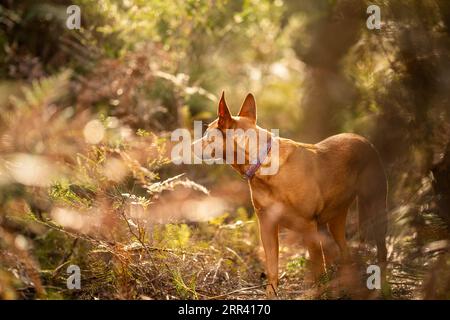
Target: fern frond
(43, 92)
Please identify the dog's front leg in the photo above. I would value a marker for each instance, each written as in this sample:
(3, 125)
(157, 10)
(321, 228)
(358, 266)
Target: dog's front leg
(269, 237)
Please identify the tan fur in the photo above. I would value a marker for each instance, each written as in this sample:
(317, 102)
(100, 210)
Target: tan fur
(315, 185)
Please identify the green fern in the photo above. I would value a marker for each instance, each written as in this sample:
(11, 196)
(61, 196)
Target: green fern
(43, 92)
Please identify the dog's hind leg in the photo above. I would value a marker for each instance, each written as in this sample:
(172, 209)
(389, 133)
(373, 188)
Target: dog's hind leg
(346, 282)
(337, 230)
(312, 239)
(328, 245)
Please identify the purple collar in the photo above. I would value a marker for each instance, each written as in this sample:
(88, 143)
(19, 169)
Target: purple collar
(262, 157)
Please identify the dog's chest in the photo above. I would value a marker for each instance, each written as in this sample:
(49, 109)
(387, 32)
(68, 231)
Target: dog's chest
(262, 196)
(265, 195)
(282, 201)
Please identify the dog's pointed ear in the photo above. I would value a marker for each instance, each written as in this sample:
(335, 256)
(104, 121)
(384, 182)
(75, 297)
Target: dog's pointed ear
(223, 112)
(248, 108)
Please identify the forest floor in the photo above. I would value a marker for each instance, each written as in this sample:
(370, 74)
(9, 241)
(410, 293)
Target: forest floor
(220, 258)
(341, 282)
(230, 266)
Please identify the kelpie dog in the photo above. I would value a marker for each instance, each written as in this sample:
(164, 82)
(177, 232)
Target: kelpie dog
(314, 186)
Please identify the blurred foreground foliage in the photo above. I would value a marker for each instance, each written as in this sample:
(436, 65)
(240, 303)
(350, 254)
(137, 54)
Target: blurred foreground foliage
(86, 115)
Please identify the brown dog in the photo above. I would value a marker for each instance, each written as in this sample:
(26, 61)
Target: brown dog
(314, 185)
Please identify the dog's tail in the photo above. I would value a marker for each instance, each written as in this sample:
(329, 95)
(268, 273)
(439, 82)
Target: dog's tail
(372, 205)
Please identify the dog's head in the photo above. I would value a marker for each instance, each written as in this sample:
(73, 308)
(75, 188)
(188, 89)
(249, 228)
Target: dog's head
(241, 131)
